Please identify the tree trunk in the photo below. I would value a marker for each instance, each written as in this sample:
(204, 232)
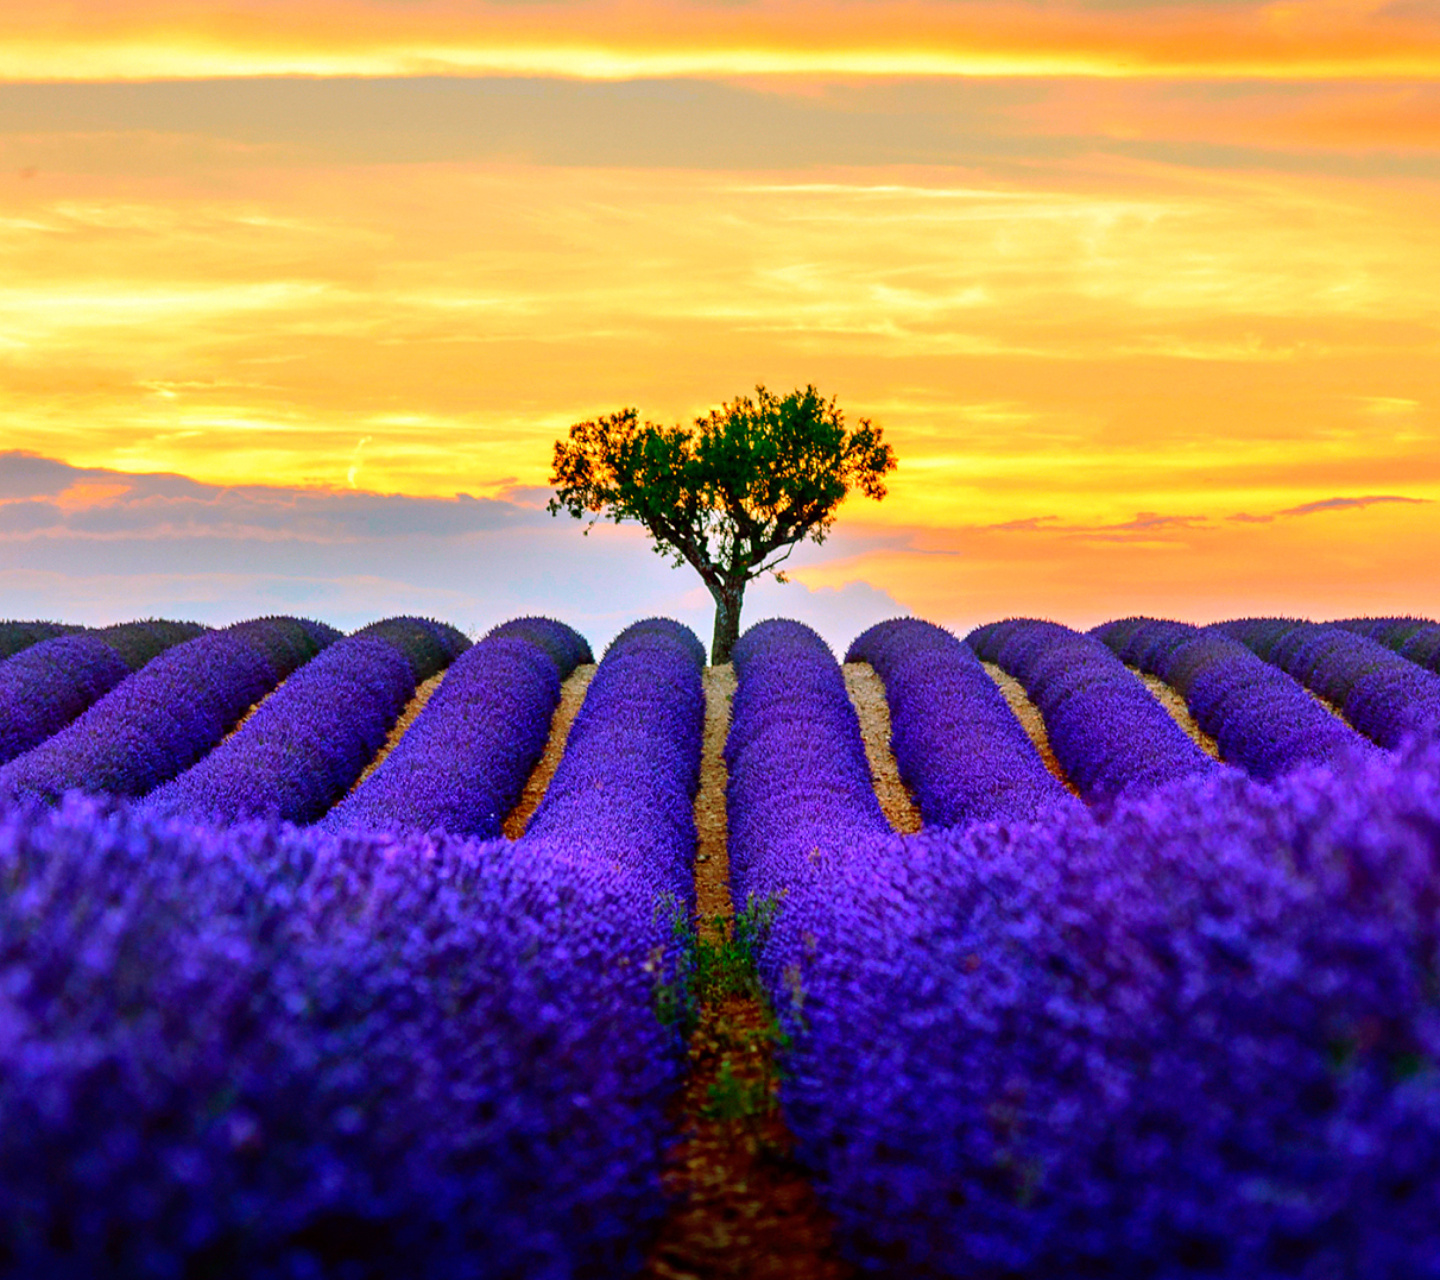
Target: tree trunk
(728, 600)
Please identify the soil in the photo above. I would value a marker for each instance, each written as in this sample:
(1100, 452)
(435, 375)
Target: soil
(250, 711)
(1030, 719)
(1171, 700)
(867, 693)
(572, 695)
(397, 730)
(741, 1206)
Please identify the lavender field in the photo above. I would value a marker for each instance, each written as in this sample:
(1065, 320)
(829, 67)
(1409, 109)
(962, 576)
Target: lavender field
(382, 954)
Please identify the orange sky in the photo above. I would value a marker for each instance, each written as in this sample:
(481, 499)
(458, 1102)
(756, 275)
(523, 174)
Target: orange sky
(626, 39)
(1131, 287)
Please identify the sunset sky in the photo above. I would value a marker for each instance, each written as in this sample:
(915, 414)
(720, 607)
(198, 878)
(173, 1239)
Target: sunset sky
(1146, 297)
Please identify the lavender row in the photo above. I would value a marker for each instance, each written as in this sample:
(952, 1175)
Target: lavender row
(1168, 1046)
(1384, 696)
(959, 747)
(157, 722)
(260, 1052)
(138, 642)
(799, 781)
(1417, 639)
(296, 1053)
(16, 636)
(1108, 732)
(1200, 1039)
(428, 645)
(44, 687)
(1260, 718)
(625, 787)
(567, 648)
(305, 745)
(463, 763)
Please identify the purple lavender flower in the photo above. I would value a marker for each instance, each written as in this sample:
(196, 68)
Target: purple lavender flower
(1415, 638)
(462, 765)
(1383, 695)
(624, 788)
(305, 746)
(138, 642)
(800, 786)
(160, 720)
(429, 645)
(1260, 718)
(271, 1052)
(268, 1051)
(1200, 1039)
(1108, 732)
(16, 636)
(959, 747)
(44, 688)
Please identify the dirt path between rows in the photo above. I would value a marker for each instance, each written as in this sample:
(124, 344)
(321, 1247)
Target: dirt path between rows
(1030, 720)
(247, 713)
(572, 697)
(867, 695)
(742, 1206)
(403, 721)
(1171, 700)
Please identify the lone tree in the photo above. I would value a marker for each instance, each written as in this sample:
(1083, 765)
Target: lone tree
(730, 496)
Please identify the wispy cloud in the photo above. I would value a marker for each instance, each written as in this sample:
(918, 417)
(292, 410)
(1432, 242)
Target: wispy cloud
(1146, 524)
(1345, 504)
(97, 545)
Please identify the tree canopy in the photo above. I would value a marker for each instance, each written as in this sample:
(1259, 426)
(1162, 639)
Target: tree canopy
(733, 494)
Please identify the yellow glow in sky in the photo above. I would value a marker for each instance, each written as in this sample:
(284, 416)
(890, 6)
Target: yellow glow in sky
(140, 39)
(1119, 331)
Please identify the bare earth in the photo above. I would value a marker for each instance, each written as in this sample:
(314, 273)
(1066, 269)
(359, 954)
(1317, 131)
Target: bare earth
(253, 708)
(867, 693)
(742, 1207)
(406, 718)
(572, 695)
(1030, 719)
(1171, 700)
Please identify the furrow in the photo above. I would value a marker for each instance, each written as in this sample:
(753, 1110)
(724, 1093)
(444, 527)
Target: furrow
(742, 1206)
(1030, 720)
(572, 696)
(867, 694)
(1179, 712)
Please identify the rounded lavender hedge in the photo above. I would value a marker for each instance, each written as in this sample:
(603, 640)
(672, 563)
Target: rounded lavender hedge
(567, 648)
(799, 780)
(429, 646)
(157, 722)
(1261, 718)
(305, 745)
(16, 636)
(44, 688)
(1383, 695)
(138, 642)
(625, 787)
(1415, 638)
(959, 747)
(1107, 730)
(1198, 1040)
(271, 1052)
(298, 1053)
(462, 765)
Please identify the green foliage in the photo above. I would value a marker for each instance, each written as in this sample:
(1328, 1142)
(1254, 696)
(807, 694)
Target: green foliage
(732, 495)
(732, 1098)
(706, 971)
